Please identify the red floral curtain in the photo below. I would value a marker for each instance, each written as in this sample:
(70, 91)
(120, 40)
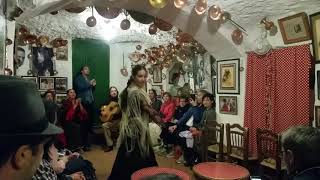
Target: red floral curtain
(277, 90)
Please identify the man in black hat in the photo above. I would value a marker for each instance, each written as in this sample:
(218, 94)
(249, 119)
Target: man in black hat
(24, 128)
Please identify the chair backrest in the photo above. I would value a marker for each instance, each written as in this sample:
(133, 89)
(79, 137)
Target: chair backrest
(215, 134)
(269, 146)
(237, 139)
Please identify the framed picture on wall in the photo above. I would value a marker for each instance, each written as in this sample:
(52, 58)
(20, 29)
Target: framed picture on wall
(228, 80)
(61, 53)
(46, 83)
(60, 97)
(31, 78)
(315, 31)
(294, 28)
(228, 105)
(157, 74)
(158, 88)
(61, 84)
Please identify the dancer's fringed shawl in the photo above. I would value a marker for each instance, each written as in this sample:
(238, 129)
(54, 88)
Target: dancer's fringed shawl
(134, 123)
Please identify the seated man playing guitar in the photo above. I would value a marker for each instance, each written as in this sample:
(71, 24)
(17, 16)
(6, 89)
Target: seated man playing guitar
(110, 115)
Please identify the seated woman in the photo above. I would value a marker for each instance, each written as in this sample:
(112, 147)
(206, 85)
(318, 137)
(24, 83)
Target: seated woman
(190, 119)
(54, 166)
(110, 115)
(75, 122)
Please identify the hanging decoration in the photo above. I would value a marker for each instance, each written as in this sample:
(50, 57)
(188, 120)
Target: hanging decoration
(91, 21)
(237, 36)
(158, 3)
(75, 10)
(141, 17)
(138, 47)
(269, 26)
(201, 7)
(153, 29)
(162, 25)
(180, 3)
(43, 40)
(214, 12)
(108, 12)
(123, 70)
(125, 24)
(8, 42)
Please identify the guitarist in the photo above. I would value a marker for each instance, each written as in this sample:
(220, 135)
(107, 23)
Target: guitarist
(110, 116)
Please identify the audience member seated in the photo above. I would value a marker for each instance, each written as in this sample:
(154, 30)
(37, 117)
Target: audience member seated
(191, 118)
(110, 115)
(301, 147)
(155, 102)
(63, 167)
(166, 136)
(75, 122)
(166, 112)
(24, 128)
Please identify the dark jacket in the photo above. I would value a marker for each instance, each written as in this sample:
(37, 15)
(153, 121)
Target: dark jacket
(208, 115)
(309, 174)
(196, 112)
(156, 105)
(180, 111)
(83, 89)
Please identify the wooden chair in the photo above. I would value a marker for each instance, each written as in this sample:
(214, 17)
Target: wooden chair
(214, 135)
(238, 143)
(269, 151)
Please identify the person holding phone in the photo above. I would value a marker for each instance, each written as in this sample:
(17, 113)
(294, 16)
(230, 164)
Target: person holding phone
(84, 88)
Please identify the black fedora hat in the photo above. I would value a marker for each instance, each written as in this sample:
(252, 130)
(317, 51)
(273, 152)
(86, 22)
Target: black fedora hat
(22, 111)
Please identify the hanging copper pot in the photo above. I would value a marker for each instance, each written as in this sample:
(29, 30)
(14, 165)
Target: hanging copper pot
(43, 40)
(76, 9)
(108, 12)
(138, 47)
(141, 17)
(158, 3)
(201, 7)
(8, 41)
(30, 39)
(22, 31)
(162, 25)
(237, 36)
(125, 24)
(124, 71)
(153, 29)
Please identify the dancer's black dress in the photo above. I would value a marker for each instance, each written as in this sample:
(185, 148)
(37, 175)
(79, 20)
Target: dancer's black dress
(135, 151)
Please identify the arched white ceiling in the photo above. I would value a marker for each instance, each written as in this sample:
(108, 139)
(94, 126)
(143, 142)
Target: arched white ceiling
(217, 41)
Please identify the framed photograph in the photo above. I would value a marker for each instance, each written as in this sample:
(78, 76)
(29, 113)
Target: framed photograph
(42, 63)
(174, 73)
(315, 29)
(61, 53)
(60, 97)
(158, 88)
(31, 78)
(228, 105)
(61, 84)
(294, 28)
(228, 80)
(46, 83)
(157, 74)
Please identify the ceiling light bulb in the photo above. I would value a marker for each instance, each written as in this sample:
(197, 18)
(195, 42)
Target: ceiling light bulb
(201, 7)
(180, 3)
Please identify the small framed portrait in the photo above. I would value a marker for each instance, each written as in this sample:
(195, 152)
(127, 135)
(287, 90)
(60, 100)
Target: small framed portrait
(60, 97)
(157, 88)
(61, 53)
(228, 77)
(61, 84)
(228, 105)
(157, 74)
(294, 28)
(46, 83)
(31, 78)
(315, 29)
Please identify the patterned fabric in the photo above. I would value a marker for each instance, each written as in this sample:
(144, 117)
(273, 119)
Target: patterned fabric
(277, 90)
(45, 171)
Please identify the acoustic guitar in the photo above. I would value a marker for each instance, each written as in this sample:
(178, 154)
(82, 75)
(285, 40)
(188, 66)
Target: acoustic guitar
(108, 111)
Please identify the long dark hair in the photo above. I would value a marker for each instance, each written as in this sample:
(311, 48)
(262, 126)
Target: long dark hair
(110, 98)
(124, 94)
